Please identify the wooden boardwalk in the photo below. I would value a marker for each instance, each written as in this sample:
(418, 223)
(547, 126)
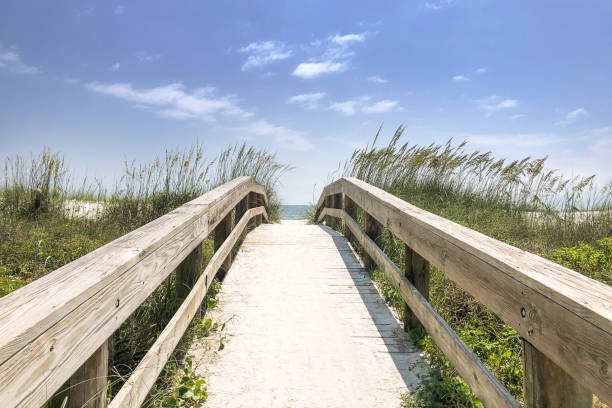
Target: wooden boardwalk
(306, 328)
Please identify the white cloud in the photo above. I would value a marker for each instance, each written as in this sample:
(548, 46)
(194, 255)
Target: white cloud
(481, 70)
(287, 138)
(601, 131)
(517, 116)
(115, 67)
(10, 60)
(351, 106)
(437, 5)
(174, 101)
(72, 81)
(347, 39)
(307, 101)
(346, 107)
(264, 52)
(520, 140)
(379, 107)
(573, 116)
(144, 56)
(333, 59)
(310, 70)
(460, 78)
(119, 9)
(377, 79)
(496, 103)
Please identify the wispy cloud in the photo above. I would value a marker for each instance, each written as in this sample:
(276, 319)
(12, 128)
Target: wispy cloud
(115, 67)
(379, 107)
(573, 116)
(519, 140)
(175, 101)
(307, 101)
(377, 79)
(10, 60)
(350, 107)
(517, 116)
(481, 70)
(603, 130)
(460, 78)
(334, 57)
(310, 70)
(264, 52)
(285, 137)
(119, 9)
(347, 39)
(144, 56)
(496, 103)
(438, 5)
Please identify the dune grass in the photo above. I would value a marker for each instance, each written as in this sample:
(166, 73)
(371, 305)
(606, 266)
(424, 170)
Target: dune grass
(38, 235)
(519, 202)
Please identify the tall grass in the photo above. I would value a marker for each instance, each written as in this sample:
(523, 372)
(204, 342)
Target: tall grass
(519, 201)
(147, 191)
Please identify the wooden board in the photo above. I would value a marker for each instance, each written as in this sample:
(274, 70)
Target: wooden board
(565, 315)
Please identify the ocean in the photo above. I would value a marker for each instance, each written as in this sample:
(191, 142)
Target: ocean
(293, 212)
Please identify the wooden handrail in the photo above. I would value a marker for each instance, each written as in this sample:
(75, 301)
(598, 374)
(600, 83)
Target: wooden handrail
(50, 327)
(484, 384)
(566, 316)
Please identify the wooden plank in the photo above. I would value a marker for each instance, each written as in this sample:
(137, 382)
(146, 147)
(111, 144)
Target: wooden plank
(78, 306)
(136, 388)
(349, 207)
(188, 272)
(416, 270)
(568, 316)
(547, 385)
(484, 384)
(221, 233)
(373, 229)
(88, 384)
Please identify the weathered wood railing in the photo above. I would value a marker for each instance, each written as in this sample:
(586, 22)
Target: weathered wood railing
(564, 318)
(55, 329)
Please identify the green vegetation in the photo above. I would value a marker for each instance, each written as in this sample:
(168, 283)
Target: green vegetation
(38, 234)
(518, 202)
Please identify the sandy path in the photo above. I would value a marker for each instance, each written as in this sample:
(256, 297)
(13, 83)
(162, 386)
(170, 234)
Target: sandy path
(307, 328)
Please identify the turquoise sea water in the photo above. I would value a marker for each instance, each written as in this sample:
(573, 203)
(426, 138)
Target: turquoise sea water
(293, 212)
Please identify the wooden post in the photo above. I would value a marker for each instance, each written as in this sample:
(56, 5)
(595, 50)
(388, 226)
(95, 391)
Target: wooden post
(252, 203)
(88, 383)
(188, 272)
(373, 229)
(547, 386)
(87, 386)
(260, 202)
(417, 272)
(349, 207)
(241, 208)
(222, 231)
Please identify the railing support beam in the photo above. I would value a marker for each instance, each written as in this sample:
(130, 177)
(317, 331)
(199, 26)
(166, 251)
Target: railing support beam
(188, 272)
(417, 272)
(88, 383)
(373, 229)
(349, 207)
(221, 233)
(547, 385)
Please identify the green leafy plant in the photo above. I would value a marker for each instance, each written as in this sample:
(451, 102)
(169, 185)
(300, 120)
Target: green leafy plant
(191, 390)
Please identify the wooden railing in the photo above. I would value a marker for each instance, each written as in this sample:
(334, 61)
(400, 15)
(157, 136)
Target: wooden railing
(564, 318)
(56, 329)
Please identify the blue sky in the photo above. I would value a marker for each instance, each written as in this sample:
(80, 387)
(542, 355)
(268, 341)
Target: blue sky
(108, 81)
